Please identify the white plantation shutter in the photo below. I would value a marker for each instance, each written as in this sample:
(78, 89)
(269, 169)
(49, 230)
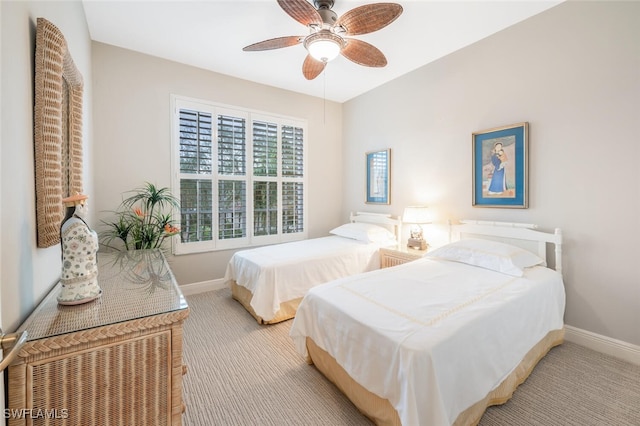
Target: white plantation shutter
(196, 215)
(293, 174)
(232, 152)
(232, 209)
(241, 182)
(265, 173)
(292, 151)
(265, 208)
(292, 207)
(195, 161)
(232, 161)
(265, 149)
(195, 142)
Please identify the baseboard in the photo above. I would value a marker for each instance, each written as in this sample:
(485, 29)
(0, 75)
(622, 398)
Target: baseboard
(201, 287)
(617, 348)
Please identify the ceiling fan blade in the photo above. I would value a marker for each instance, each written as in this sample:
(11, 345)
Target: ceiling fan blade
(301, 11)
(274, 43)
(369, 18)
(363, 53)
(311, 68)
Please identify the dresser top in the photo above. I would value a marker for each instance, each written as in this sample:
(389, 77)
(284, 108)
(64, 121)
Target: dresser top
(135, 284)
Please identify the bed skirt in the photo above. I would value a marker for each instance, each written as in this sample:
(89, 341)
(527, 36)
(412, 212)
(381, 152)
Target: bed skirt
(380, 410)
(243, 295)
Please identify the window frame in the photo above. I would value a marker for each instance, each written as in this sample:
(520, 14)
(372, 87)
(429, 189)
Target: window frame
(179, 102)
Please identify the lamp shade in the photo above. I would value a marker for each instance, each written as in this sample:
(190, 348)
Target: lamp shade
(416, 214)
(324, 45)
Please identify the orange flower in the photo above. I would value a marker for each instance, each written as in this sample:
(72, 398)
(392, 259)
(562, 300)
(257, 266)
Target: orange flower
(171, 230)
(138, 212)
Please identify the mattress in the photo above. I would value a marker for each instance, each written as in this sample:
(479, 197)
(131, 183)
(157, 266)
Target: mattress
(277, 274)
(432, 337)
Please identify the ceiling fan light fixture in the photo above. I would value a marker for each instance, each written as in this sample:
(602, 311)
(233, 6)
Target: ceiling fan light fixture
(324, 45)
(330, 35)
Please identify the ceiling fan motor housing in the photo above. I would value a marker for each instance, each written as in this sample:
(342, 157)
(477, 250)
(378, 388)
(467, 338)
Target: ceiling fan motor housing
(323, 4)
(329, 17)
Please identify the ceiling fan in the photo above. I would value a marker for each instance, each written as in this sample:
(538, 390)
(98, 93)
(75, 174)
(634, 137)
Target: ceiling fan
(328, 34)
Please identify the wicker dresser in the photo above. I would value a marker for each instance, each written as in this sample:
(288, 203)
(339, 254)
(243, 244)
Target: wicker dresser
(114, 361)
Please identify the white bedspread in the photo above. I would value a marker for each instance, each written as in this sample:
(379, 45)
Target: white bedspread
(283, 272)
(431, 336)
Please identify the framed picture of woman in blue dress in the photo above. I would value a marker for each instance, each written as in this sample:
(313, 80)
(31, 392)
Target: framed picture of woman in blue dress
(500, 157)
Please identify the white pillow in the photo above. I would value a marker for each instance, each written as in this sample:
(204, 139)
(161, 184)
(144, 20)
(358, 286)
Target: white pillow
(365, 232)
(488, 254)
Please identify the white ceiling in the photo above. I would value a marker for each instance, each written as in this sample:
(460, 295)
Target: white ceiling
(210, 34)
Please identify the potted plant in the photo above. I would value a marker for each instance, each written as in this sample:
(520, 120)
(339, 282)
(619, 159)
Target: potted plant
(143, 220)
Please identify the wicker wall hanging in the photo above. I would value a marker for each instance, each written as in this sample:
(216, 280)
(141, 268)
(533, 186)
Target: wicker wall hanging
(57, 130)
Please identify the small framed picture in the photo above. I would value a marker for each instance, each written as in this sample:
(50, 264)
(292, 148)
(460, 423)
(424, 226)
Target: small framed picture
(378, 173)
(500, 158)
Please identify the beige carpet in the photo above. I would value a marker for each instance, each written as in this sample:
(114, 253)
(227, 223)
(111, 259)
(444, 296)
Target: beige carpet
(241, 373)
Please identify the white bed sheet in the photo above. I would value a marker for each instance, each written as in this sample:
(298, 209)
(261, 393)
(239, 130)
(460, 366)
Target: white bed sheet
(283, 272)
(431, 336)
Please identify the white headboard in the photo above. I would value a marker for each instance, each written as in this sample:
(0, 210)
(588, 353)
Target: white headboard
(518, 234)
(394, 224)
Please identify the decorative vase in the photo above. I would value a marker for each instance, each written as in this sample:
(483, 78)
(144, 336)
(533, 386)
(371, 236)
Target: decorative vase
(79, 277)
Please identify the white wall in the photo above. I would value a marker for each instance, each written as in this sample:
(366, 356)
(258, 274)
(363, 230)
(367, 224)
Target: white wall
(572, 72)
(132, 137)
(27, 272)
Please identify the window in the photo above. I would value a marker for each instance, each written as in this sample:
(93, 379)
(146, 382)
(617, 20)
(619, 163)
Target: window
(239, 175)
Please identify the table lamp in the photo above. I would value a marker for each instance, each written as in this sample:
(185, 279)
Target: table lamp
(416, 215)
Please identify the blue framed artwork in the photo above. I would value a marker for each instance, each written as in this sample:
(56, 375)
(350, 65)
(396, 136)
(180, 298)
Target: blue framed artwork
(500, 157)
(378, 172)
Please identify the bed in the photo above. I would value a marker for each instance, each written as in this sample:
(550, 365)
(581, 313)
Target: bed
(270, 281)
(438, 340)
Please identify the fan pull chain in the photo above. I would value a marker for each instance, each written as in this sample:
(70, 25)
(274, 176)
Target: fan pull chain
(324, 96)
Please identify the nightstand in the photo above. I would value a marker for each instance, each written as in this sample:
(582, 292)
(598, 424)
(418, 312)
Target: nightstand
(399, 255)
